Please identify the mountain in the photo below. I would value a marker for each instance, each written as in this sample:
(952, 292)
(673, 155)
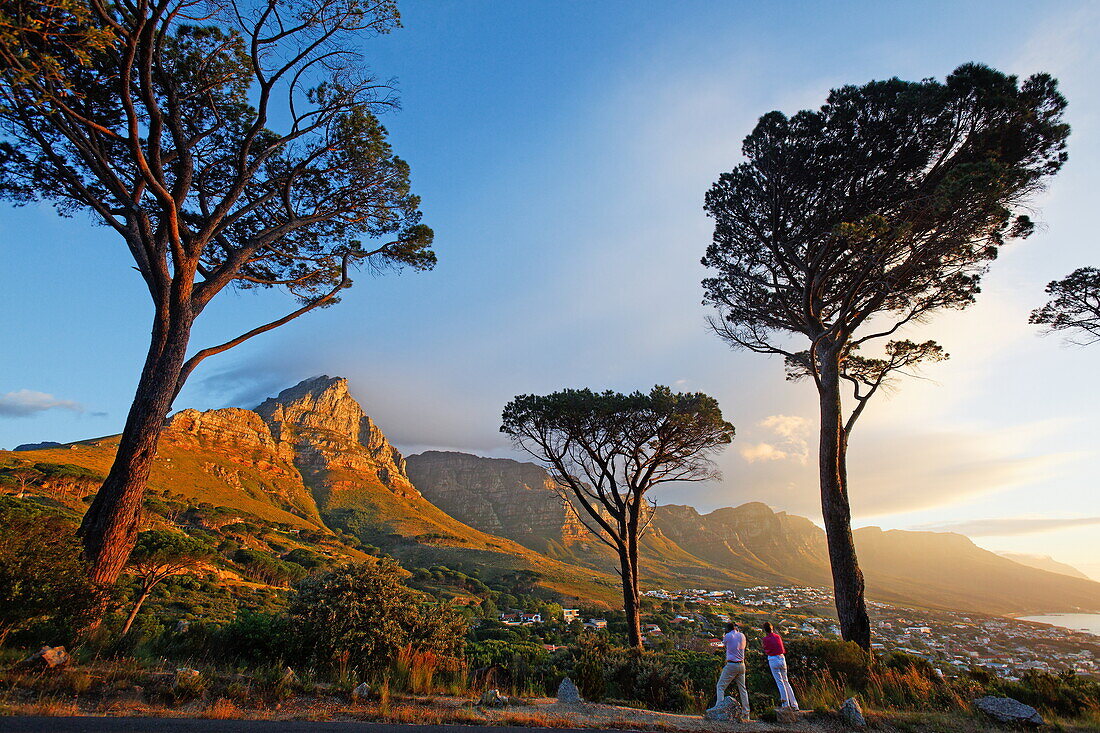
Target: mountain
(37, 446)
(500, 496)
(747, 545)
(310, 461)
(1044, 562)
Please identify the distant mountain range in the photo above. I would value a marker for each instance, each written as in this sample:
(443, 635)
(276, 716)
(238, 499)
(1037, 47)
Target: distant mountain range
(310, 457)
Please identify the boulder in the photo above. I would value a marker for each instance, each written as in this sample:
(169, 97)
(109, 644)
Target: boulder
(728, 709)
(48, 657)
(568, 692)
(786, 715)
(1007, 710)
(362, 692)
(492, 699)
(852, 714)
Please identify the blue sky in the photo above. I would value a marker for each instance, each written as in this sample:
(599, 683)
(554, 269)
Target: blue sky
(562, 150)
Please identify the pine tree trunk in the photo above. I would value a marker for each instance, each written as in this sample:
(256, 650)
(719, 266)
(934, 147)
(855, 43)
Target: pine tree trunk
(134, 611)
(848, 587)
(628, 560)
(110, 526)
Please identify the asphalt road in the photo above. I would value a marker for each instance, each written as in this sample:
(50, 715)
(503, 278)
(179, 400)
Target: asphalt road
(87, 724)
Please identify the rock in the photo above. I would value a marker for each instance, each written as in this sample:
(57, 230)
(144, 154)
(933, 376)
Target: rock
(186, 678)
(492, 699)
(135, 694)
(727, 710)
(786, 715)
(568, 692)
(362, 692)
(1007, 710)
(333, 441)
(182, 626)
(48, 657)
(852, 714)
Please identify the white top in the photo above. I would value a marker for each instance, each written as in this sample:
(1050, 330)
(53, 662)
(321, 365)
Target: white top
(735, 646)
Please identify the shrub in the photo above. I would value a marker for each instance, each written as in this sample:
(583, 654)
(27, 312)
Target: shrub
(361, 615)
(519, 667)
(44, 586)
(648, 678)
(256, 638)
(1065, 694)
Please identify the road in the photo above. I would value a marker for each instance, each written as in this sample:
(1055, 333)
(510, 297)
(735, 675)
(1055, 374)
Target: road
(88, 724)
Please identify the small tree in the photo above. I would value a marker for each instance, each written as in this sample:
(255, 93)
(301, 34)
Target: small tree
(157, 555)
(228, 144)
(1074, 306)
(43, 579)
(362, 615)
(21, 476)
(846, 224)
(608, 450)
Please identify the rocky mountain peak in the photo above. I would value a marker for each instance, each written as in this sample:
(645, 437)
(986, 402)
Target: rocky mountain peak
(319, 403)
(333, 438)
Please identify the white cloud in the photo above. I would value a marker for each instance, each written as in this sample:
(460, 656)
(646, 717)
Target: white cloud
(763, 452)
(1009, 526)
(791, 430)
(26, 402)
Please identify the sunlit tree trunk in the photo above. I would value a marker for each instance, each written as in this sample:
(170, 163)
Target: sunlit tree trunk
(629, 569)
(110, 526)
(145, 590)
(848, 586)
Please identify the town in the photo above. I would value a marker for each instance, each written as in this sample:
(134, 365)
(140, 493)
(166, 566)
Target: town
(950, 640)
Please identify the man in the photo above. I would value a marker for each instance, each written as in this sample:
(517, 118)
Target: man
(734, 671)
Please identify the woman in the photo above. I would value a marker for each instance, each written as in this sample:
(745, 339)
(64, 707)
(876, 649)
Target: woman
(777, 660)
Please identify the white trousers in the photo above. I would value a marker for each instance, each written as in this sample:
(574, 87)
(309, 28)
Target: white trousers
(778, 665)
(734, 672)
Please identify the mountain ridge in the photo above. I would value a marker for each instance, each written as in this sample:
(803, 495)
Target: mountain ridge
(311, 457)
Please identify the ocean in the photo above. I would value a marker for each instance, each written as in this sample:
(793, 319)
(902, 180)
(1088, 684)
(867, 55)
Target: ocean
(1089, 622)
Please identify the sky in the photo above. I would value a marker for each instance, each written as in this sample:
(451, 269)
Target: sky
(562, 151)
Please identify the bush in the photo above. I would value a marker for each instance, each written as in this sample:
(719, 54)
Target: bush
(359, 616)
(650, 679)
(45, 593)
(256, 638)
(520, 667)
(1066, 694)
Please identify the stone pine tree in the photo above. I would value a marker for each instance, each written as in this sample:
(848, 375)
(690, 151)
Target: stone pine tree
(228, 145)
(1074, 307)
(157, 555)
(608, 450)
(846, 224)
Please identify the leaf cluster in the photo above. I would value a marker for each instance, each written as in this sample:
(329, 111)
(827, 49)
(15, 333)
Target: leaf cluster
(888, 202)
(1074, 306)
(609, 449)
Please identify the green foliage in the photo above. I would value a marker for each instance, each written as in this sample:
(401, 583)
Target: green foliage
(256, 638)
(265, 567)
(307, 558)
(521, 667)
(361, 615)
(844, 659)
(1074, 306)
(1067, 694)
(158, 548)
(44, 586)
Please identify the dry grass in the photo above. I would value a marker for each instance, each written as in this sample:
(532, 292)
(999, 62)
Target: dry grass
(221, 709)
(47, 706)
